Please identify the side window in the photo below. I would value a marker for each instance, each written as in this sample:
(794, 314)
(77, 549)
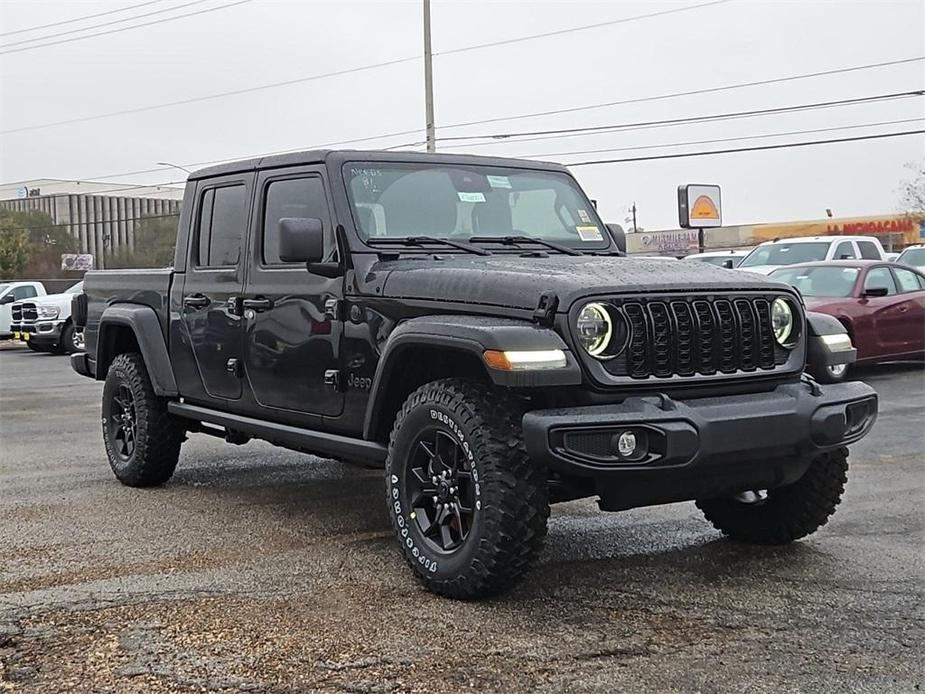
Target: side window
(291, 197)
(869, 250)
(880, 277)
(25, 291)
(222, 219)
(907, 280)
(844, 251)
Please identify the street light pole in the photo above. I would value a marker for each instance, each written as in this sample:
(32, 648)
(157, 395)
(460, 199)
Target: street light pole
(428, 83)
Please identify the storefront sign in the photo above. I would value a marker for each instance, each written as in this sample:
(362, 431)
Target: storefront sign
(679, 242)
(699, 206)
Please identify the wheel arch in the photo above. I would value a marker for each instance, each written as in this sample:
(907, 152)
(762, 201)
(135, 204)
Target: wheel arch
(134, 328)
(424, 349)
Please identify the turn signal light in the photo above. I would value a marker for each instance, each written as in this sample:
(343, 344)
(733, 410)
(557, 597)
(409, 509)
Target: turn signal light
(525, 360)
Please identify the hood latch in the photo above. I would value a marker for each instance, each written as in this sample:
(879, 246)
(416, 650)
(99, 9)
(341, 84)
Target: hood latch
(546, 307)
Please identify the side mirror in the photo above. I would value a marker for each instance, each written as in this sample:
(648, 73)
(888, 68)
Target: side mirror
(728, 263)
(7, 299)
(876, 291)
(301, 240)
(845, 256)
(618, 235)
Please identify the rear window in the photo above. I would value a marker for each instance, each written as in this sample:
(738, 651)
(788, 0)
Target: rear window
(908, 281)
(869, 250)
(222, 217)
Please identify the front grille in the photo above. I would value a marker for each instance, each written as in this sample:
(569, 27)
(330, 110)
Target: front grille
(703, 335)
(29, 311)
(16, 312)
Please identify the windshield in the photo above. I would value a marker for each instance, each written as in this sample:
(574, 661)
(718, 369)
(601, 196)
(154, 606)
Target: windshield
(820, 281)
(3, 288)
(454, 201)
(786, 254)
(912, 256)
(76, 289)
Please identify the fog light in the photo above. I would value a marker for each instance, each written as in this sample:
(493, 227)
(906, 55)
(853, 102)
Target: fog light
(626, 444)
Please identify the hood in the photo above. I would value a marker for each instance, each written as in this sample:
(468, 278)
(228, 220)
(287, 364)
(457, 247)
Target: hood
(58, 300)
(761, 269)
(517, 282)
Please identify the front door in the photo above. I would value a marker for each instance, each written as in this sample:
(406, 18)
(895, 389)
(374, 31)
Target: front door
(214, 281)
(885, 318)
(291, 341)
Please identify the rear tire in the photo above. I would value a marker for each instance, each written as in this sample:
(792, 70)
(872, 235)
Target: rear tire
(142, 440)
(787, 513)
(481, 538)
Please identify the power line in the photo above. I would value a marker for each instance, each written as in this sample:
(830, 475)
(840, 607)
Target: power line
(102, 24)
(116, 31)
(748, 149)
(692, 92)
(673, 122)
(80, 19)
(724, 139)
(596, 129)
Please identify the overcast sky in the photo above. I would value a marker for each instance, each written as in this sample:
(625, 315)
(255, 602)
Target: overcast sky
(263, 41)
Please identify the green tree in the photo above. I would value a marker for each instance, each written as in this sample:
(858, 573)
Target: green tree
(14, 246)
(155, 241)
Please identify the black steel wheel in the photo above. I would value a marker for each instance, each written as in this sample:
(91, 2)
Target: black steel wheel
(468, 506)
(142, 439)
(438, 482)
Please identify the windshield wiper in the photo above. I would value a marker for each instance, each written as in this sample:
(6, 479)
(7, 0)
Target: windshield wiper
(514, 240)
(426, 240)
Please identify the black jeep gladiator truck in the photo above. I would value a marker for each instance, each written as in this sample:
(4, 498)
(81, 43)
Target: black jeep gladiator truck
(470, 324)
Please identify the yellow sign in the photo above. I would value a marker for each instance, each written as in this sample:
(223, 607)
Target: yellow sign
(704, 208)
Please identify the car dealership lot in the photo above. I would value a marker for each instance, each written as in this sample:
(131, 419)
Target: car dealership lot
(260, 569)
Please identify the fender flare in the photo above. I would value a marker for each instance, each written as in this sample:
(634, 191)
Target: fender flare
(144, 324)
(818, 353)
(471, 335)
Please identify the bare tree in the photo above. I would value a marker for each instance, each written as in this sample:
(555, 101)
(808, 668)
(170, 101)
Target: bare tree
(912, 190)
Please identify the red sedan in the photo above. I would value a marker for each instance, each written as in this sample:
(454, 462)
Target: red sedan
(882, 305)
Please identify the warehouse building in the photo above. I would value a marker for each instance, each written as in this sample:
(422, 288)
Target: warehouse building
(101, 216)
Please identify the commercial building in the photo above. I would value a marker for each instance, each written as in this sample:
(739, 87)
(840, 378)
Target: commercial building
(101, 216)
(894, 231)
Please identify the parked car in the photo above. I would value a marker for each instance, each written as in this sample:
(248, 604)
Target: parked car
(882, 305)
(11, 292)
(728, 259)
(45, 324)
(913, 256)
(768, 256)
(891, 256)
(436, 315)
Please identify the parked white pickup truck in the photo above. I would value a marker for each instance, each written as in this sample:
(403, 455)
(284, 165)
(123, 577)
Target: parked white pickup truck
(44, 323)
(11, 292)
(770, 255)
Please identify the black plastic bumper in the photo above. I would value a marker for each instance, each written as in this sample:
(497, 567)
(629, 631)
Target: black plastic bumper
(80, 362)
(699, 448)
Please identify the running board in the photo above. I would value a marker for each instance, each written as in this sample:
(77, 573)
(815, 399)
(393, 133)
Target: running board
(305, 440)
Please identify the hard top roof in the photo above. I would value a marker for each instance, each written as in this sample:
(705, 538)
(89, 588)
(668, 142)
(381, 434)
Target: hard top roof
(337, 157)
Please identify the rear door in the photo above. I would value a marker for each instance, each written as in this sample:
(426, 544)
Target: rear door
(912, 307)
(214, 281)
(291, 339)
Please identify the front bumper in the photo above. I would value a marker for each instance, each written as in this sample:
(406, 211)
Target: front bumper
(699, 448)
(43, 332)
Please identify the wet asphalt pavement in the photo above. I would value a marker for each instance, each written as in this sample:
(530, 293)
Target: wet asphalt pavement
(258, 569)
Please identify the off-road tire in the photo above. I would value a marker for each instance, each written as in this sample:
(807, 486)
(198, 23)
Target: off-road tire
(509, 524)
(158, 435)
(788, 513)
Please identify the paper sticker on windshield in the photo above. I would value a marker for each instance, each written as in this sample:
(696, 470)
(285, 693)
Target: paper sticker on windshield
(499, 181)
(589, 233)
(584, 216)
(471, 197)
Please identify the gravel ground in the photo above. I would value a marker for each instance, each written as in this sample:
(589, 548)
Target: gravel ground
(258, 569)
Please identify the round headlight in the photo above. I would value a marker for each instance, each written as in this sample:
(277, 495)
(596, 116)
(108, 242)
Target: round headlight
(782, 322)
(594, 328)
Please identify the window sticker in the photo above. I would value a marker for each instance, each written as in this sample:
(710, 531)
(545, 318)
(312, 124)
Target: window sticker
(499, 181)
(584, 216)
(470, 197)
(588, 233)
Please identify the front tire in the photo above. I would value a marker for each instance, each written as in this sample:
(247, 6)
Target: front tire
(780, 516)
(469, 508)
(831, 374)
(142, 440)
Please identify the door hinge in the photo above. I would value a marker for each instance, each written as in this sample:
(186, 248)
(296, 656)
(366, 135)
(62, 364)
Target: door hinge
(233, 366)
(545, 310)
(332, 378)
(334, 309)
(235, 305)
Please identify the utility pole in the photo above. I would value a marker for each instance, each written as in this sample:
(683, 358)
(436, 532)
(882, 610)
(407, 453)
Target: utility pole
(428, 82)
(634, 216)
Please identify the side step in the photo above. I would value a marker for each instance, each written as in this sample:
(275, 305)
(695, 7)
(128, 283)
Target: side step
(306, 440)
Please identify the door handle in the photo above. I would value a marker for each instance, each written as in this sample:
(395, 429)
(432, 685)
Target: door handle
(196, 301)
(257, 304)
